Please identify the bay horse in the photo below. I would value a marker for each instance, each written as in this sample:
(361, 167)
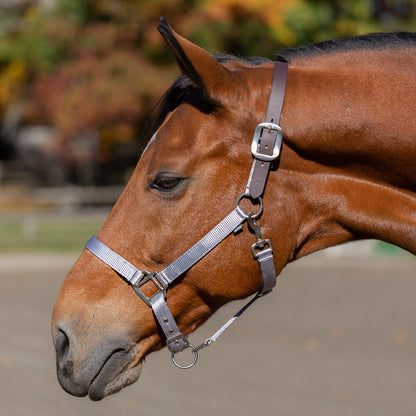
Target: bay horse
(345, 171)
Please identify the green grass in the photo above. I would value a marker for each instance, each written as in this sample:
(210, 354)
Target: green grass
(44, 235)
(388, 250)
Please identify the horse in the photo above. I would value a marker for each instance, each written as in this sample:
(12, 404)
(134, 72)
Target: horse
(344, 171)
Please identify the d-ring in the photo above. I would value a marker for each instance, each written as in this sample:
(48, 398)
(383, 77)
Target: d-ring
(186, 367)
(258, 213)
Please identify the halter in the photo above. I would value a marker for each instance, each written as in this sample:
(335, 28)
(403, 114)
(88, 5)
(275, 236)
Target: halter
(265, 148)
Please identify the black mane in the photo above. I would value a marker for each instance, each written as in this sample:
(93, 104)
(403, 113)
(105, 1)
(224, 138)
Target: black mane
(351, 43)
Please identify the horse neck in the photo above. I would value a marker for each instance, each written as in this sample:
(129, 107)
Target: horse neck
(350, 146)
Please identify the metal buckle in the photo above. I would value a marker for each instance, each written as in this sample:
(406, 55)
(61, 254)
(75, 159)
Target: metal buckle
(256, 141)
(159, 286)
(260, 246)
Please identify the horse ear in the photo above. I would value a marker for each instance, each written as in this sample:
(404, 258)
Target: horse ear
(205, 72)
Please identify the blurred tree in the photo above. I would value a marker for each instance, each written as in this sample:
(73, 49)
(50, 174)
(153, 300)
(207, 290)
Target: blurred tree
(100, 65)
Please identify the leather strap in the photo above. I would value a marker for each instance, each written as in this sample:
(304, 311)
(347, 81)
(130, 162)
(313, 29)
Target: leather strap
(260, 168)
(119, 264)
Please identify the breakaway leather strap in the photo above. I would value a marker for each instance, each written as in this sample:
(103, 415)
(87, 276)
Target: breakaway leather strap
(267, 147)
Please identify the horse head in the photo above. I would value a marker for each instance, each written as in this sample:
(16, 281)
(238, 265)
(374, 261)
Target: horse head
(345, 172)
(187, 179)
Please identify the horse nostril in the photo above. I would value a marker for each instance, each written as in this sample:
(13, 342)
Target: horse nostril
(64, 343)
(61, 345)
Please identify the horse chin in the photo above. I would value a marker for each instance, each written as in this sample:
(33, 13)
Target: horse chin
(106, 383)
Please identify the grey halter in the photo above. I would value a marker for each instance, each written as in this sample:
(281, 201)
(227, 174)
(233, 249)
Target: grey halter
(265, 148)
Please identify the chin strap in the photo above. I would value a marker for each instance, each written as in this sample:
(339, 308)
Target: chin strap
(265, 148)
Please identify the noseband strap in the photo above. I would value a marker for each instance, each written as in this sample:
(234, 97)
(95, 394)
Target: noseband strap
(265, 148)
(174, 339)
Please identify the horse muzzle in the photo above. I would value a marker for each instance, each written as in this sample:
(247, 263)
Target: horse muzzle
(96, 370)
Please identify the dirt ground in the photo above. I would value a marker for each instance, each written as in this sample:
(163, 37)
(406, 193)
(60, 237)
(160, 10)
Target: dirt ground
(337, 338)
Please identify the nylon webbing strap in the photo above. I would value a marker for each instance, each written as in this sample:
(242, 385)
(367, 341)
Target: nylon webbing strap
(175, 340)
(203, 246)
(114, 260)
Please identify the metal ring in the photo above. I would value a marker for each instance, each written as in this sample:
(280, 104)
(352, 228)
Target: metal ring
(186, 367)
(258, 213)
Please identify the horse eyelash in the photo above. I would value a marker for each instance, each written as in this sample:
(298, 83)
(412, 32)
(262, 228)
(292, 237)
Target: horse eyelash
(158, 185)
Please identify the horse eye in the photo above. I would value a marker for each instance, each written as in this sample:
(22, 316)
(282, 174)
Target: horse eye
(165, 183)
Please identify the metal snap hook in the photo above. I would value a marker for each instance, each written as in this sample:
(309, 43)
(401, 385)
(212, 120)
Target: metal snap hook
(186, 367)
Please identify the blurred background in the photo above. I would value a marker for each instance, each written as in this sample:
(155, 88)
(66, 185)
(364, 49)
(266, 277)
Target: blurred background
(78, 81)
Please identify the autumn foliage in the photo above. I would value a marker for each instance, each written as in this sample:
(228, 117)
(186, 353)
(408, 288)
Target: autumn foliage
(101, 65)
